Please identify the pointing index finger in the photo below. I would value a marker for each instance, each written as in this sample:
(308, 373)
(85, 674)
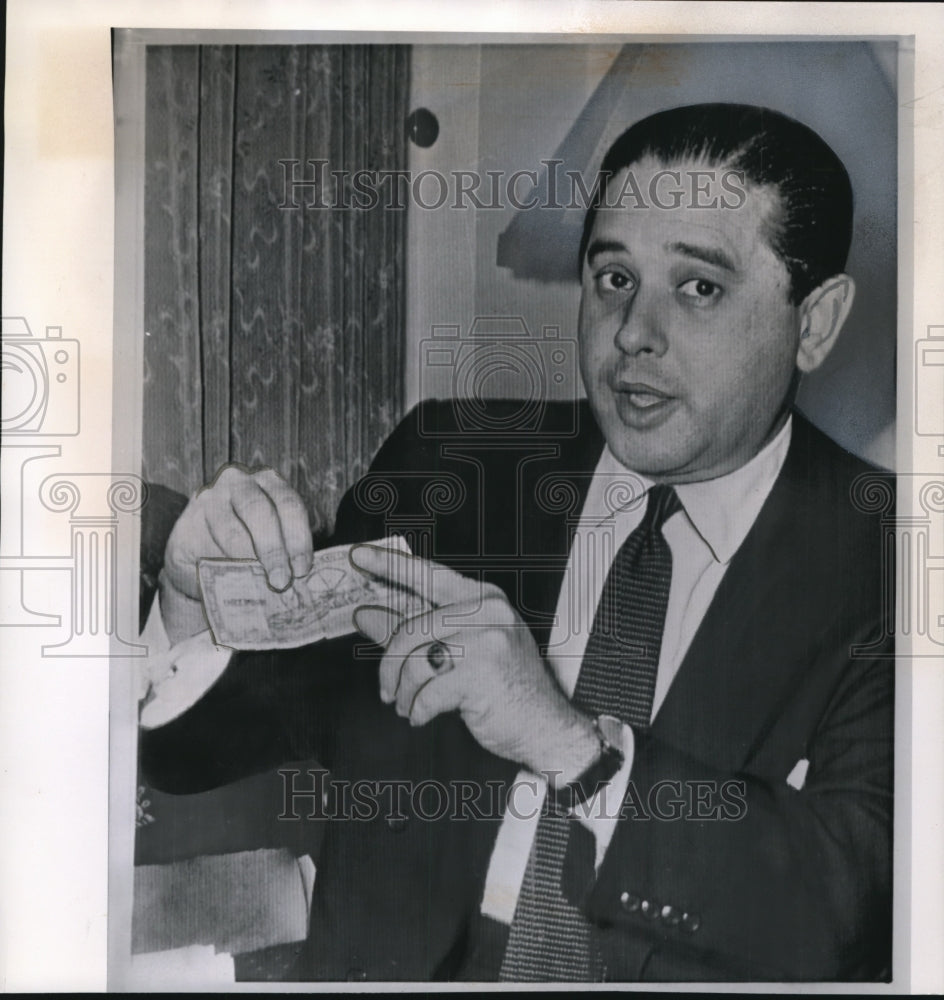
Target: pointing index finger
(427, 579)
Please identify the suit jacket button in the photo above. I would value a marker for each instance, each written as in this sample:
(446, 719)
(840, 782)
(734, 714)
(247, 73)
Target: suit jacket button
(691, 922)
(356, 975)
(629, 902)
(396, 823)
(671, 916)
(650, 909)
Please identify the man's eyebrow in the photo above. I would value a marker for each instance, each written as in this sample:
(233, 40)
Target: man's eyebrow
(605, 246)
(710, 255)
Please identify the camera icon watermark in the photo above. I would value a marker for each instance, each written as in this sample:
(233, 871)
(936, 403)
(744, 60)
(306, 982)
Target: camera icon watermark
(929, 384)
(40, 381)
(500, 359)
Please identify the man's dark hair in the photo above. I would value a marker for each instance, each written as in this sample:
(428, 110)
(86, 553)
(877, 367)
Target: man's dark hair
(812, 230)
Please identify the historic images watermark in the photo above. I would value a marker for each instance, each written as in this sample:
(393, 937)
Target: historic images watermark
(323, 797)
(314, 185)
(41, 412)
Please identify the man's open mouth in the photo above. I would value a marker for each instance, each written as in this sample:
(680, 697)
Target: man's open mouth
(640, 403)
(645, 398)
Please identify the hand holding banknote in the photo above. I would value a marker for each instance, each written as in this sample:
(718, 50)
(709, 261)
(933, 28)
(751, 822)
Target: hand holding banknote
(244, 545)
(245, 612)
(242, 514)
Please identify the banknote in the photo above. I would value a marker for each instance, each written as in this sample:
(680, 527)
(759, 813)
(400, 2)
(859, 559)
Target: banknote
(244, 612)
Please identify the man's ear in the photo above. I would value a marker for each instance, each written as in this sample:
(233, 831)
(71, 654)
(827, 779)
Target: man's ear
(822, 314)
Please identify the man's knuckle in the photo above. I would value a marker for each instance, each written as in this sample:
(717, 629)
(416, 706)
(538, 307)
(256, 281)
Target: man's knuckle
(230, 473)
(500, 612)
(266, 474)
(503, 646)
(253, 504)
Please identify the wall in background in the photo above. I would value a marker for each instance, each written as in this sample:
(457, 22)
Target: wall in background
(508, 108)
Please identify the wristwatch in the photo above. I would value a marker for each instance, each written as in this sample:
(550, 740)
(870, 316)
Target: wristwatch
(610, 759)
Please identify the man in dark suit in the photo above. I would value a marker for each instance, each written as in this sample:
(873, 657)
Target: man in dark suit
(722, 802)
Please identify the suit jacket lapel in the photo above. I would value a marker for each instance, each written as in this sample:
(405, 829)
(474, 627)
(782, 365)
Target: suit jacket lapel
(748, 653)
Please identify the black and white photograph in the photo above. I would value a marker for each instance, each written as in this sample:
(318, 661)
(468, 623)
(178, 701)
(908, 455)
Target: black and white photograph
(605, 336)
(517, 556)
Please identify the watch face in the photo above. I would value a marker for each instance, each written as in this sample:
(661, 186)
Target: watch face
(612, 730)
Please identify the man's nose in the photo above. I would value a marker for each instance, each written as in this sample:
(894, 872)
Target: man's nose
(642, 328)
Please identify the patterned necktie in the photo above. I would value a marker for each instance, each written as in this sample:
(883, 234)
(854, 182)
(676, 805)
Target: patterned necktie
(549, 939)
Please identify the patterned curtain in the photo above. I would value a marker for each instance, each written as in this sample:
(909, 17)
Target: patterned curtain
(274, 335)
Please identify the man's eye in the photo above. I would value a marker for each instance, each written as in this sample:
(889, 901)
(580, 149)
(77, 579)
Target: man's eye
(613, 281)
(700, 291)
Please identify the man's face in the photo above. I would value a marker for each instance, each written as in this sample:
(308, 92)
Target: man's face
(688, 341)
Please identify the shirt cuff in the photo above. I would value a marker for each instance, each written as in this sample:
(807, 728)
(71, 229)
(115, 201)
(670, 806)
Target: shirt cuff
(600, 813)
(173, 678)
